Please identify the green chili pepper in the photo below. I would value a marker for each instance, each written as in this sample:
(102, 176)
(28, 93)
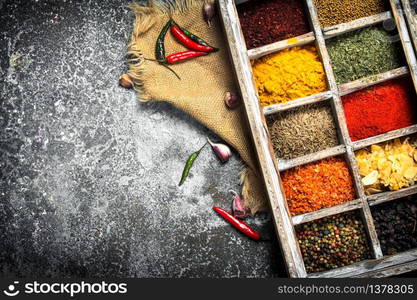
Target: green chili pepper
(189, 164)
(160, 42)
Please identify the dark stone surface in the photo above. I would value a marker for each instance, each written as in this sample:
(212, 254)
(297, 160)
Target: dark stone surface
(413, 4)
(89, 175)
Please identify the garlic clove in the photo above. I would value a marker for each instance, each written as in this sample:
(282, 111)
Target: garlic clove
(125, 81)
(222, 151)
(239, 210)
(209, 11)
(232, 100)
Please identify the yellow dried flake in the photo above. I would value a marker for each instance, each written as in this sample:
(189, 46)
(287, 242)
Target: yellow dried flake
(371, 178)
(388, 166)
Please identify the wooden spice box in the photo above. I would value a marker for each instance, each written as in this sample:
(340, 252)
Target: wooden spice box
(379, 265)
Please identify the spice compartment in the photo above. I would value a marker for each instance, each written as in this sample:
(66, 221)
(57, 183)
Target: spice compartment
(396, 225)
(347, 204)
(304, 133)
(319, 185)
(363, 53)
(295, 73)
(389, 169)
(380, 109)
(270, 167)
(265, 22)
(333, 242)
(331, 13)
(279, 16)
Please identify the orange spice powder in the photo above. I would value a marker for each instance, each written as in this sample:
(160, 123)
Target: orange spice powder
(318, 185)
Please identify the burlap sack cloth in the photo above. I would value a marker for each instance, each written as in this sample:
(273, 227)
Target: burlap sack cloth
(204, 82)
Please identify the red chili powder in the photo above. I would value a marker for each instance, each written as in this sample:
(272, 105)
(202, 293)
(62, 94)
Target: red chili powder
(266, 21)
(379, 109)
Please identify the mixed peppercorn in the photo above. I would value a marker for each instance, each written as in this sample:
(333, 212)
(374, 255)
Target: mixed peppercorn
(396, 225)
(332, 242)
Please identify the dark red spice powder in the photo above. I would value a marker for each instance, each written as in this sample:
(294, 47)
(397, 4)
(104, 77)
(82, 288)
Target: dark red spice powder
(381, 108)
(267, 21)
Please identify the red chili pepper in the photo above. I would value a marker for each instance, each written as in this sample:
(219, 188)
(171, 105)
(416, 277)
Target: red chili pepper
(187, 42)
(181, 56)
(236, 223)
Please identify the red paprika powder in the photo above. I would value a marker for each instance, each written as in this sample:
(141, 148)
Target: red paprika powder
(267, 21)
(381, 108)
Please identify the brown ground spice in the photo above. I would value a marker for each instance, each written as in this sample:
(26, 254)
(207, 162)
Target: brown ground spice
(333, 12)
(302, 131)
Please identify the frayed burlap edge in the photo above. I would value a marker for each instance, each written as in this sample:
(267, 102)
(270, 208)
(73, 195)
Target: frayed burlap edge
(253, 192)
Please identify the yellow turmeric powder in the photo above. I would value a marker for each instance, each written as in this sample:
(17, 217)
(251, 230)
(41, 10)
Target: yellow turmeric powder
(289, 74)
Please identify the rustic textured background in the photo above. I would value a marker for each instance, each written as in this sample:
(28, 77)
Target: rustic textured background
(89, 175)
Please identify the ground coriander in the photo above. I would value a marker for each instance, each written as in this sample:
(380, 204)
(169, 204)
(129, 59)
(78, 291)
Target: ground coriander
(333, 12)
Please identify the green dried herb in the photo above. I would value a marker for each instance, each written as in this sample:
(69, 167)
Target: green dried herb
(302, 131)
(363, 53)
